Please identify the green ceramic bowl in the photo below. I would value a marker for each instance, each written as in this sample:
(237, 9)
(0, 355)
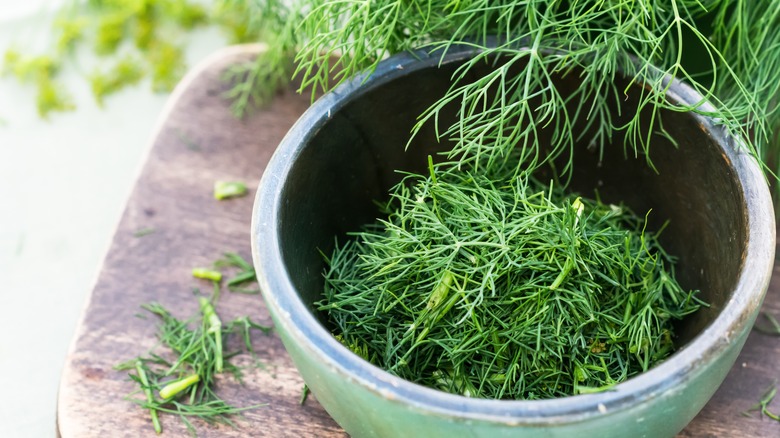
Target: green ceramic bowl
(342, 155)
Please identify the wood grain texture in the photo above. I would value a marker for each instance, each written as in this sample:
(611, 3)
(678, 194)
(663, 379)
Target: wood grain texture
(198, 142)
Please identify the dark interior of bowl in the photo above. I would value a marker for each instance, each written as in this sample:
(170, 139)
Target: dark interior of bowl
(352, 159)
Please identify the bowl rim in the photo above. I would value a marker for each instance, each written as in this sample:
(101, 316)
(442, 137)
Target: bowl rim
(303, 328)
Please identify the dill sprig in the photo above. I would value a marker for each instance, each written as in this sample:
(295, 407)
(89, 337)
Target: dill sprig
(496, 286)
(185, 381)
(725, 50)
(255, 82)
(229, 189)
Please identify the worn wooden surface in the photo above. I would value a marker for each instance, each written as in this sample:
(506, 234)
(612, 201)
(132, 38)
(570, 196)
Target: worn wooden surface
(198, 142)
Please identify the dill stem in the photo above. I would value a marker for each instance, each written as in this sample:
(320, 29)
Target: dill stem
(149, 396)
(242, 278)
(207, 274)
(174, 388)
(214, 326)
(304, 394)
(229, 189)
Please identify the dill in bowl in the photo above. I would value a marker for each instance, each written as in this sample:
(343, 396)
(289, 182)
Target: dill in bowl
(493, 285)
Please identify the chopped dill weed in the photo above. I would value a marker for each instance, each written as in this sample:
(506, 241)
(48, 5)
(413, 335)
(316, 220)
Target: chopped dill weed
(494, 286)
(125, 73)
(229, 189)
(304, 394)
(207, 274)
(185, 384)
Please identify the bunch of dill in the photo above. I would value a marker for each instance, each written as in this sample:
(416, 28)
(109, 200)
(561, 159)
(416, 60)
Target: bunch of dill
(494, 285)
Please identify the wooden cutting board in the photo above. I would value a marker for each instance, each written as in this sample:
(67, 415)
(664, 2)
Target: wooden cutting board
(172, 223)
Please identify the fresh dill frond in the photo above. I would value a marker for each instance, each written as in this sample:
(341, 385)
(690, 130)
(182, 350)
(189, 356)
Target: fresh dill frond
(229, 189)
(207, 274)
(254, 83)
(531, 43)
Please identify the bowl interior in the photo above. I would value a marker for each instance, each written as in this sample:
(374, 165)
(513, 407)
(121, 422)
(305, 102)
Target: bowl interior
(351, 158)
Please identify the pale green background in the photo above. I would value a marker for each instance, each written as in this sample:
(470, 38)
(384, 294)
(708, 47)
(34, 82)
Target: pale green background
(63, 186)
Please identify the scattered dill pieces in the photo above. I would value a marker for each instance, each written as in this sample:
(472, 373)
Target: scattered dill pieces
(495, 286)
(207, 274)
(763, 404)
(144, 232)
(214, 328)
(238, 281)
(174, 388)
(229, 189)
(183, 383)
(774, 326)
